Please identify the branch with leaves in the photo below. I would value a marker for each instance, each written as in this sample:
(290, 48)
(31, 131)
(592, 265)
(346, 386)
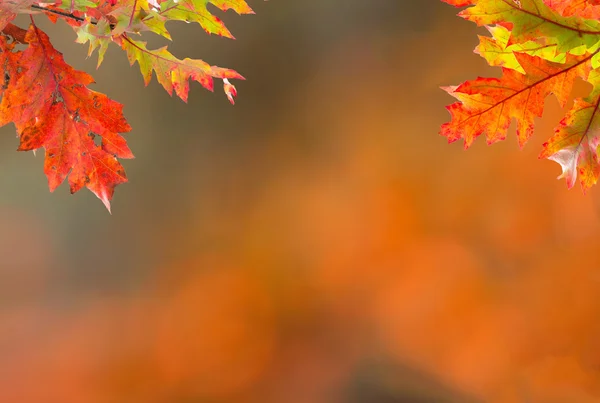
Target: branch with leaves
(50, 103)
(542, 47)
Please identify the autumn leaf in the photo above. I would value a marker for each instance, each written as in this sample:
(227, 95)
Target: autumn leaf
(581, 8)
(135, 16)
(575, 142)
(98, 34)
(488, 105)
(9, 60)
(529, 20)
(51, 107)
(542, 47)
(196, 11)
(497, 51)
(49, 101)
(172, 73)
(10, 8)
(117, 24)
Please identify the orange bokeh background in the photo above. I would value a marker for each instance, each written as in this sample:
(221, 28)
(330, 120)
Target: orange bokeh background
(318, 242)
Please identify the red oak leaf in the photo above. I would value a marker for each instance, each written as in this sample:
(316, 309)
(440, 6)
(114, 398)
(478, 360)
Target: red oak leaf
(488, 105)
(580, 8)
(51, 107)
(9, 60)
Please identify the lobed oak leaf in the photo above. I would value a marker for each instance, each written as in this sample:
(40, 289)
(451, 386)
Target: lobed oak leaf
(197, 11)
(172, 73)
(194, 11)
(9, 60)
(51, 107)
(488, 105)
(136, 16)
(103, 10)
(532, 19)
(575, 142)
(71, 6)
(581, 8)
(98, 34)
(239, 6)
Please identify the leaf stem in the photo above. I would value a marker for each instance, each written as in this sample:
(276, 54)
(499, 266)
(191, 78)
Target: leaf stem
(132, 12)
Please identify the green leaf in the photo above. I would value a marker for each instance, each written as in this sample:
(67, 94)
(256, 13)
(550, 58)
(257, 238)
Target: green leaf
(98, 35)
(498, 52)
(77, 5)
(140, 19)
(194, 11)
(172, 73)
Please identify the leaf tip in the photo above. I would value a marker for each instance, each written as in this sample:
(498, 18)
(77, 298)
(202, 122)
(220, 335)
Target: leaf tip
(104, 196)
(230, 91)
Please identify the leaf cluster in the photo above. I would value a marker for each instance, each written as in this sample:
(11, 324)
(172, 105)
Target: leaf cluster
(50, 103)
(542, 46)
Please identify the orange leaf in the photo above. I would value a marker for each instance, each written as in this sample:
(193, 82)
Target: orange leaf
(51, 107)
(488, 105)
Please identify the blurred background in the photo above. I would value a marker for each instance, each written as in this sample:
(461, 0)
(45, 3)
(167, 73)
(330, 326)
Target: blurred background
(318, 242)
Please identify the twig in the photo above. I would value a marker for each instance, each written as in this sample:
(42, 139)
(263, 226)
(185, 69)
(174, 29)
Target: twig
(64, 14)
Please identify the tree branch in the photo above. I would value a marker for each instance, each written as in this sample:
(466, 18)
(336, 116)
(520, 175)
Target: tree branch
(64, 14)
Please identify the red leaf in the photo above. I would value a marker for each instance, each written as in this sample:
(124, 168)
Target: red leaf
(10, 8)
(51, 106)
